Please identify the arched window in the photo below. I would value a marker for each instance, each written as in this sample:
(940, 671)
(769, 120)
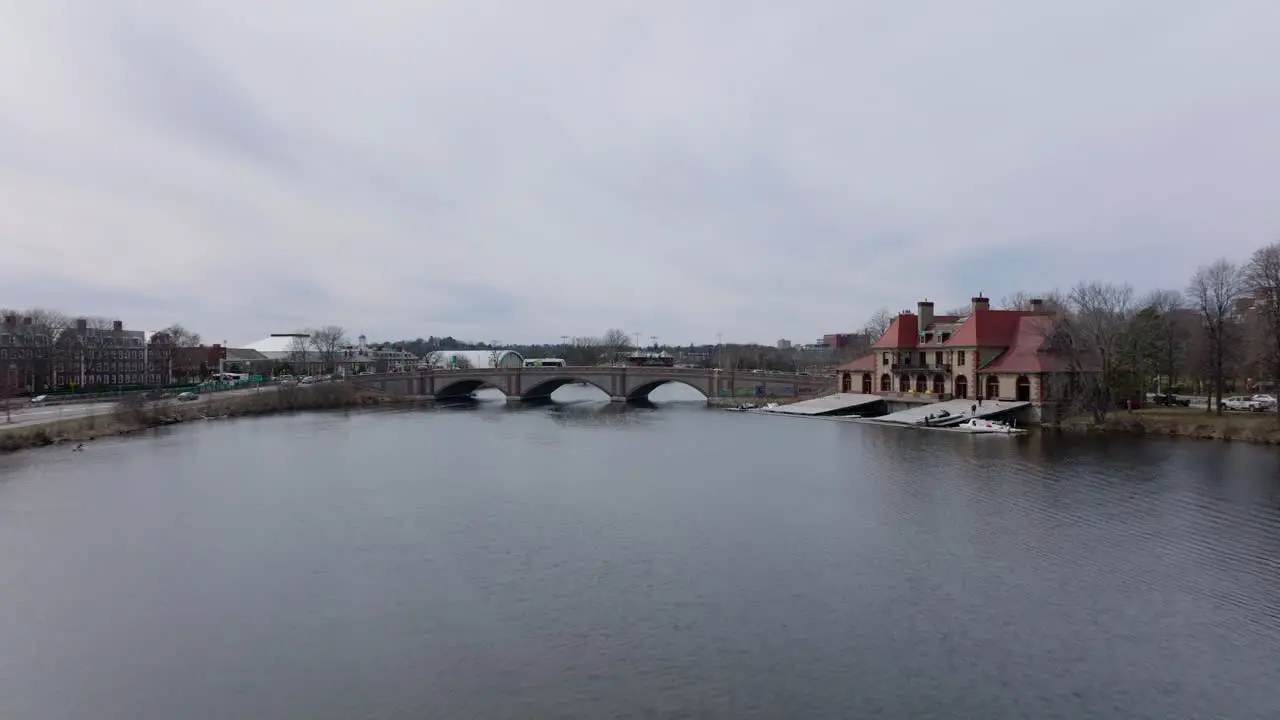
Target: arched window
(992, 388)
(922, 384)
(886, 383)
(939, 385)
(1023, 391)
(904, 384)
(866, 383)
(962, 387)
(846, 382)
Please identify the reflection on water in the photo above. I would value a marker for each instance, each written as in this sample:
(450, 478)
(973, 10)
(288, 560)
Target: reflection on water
(592, 559)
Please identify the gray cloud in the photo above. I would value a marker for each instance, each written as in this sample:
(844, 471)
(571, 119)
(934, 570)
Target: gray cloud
(522, 171)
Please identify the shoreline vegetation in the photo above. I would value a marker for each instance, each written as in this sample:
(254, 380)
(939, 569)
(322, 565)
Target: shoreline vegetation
(1193, 423)
(133, 415)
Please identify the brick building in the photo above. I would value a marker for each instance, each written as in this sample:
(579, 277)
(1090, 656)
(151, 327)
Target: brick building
(989, 354)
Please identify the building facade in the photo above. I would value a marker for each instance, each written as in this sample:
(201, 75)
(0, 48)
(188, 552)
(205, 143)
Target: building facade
(987, 354)
(37, 356)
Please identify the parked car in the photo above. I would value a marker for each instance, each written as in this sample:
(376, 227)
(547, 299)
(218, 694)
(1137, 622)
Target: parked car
(1240, 402)
(39, 399)
(1171, 400)
(308, 380)
(1268, 401)
(187, 397)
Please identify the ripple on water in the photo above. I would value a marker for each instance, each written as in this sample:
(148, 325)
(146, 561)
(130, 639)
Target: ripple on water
(592, 560)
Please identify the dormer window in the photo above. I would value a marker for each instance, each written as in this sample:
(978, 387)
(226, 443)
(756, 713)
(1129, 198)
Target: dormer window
(946, 337)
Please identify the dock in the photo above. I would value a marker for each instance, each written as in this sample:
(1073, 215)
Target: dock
(960, 409)
(835, 404)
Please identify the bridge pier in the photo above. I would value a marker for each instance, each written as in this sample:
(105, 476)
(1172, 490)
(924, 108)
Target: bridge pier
(617, 398)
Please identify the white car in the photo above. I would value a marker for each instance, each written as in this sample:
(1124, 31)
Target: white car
(1268, 401)
(1242, 403)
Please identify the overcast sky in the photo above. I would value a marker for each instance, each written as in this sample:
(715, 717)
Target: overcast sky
(517, 170)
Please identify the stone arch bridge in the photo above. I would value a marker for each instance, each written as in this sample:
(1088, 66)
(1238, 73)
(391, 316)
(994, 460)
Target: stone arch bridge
(621, 384)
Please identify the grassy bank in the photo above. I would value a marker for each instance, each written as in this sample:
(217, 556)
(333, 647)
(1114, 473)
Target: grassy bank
(134, 415)
(1187, 422)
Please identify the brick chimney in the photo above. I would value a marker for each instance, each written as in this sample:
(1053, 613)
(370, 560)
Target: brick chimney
(117, 325)
(980, 303)
(924, 309)
(1037, 305)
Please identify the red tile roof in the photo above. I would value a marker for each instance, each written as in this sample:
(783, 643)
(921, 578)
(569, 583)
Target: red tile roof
(1026, 353)
(866, 363)
(989, 328)
(901, 333)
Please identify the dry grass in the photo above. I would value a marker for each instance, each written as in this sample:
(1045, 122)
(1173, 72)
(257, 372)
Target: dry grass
(136, 415)
(1189, 422)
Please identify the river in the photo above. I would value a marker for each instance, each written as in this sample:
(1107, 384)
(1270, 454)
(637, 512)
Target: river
(592, 561)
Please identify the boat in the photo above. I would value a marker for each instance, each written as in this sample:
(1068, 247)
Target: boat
(769, 407)
(744, 407)
(981, 426)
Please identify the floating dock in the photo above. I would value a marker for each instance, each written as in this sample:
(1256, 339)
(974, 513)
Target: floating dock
(836, 404)
(960, 409)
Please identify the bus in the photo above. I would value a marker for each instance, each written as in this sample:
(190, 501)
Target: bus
(544, 362)
(230, 377)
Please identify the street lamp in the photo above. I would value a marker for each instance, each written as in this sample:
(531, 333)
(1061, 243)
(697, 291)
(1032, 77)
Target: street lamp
(654, 338)
(564, 353)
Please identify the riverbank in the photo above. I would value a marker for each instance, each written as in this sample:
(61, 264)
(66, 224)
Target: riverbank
(1261, 428)
(723, 402)
(134, 414)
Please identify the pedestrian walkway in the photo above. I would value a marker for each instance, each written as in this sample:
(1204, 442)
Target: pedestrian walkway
(962, 408)
(835, 404)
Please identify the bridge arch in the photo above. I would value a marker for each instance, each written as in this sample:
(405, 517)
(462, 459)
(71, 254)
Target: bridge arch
(463, 389)
(641, 392)
(544, 387)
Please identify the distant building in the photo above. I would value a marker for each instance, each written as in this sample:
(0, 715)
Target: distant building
(843, 341)
(784, 344)
(98, 354)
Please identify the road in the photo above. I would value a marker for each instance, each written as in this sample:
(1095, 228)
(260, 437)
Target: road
(31, 415)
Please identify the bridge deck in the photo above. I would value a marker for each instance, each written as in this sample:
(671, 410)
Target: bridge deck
(828, 404)
(961, 408)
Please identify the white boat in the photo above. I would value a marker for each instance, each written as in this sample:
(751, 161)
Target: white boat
(982, 426)
(769, 406)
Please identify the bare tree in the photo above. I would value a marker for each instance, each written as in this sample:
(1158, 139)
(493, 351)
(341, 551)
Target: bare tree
(878, 324)
(39, 349)
(462, 362)
(958, 311)
(299, 350)
(1090, 339)
(1262, 281)
(495, 356)
(583, 351)
(615, 342)
(1213, 292)
(168, 351)
(1051, 301)
(328, 342)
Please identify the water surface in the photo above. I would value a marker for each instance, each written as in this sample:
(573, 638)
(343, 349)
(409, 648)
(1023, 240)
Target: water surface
(589, 561)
